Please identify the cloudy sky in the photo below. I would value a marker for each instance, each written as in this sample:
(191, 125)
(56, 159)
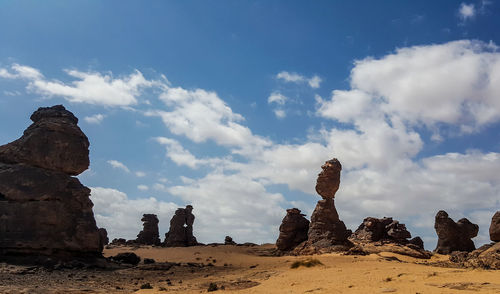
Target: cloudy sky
(232, 106)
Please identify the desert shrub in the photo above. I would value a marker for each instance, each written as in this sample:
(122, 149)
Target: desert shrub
(146, 286)
(212, 287)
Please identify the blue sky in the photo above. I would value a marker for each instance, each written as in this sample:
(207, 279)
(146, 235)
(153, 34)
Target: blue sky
(232, 106)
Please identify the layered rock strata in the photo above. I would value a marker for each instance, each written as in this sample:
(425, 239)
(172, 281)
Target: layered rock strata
(43, 209)
(149, 234)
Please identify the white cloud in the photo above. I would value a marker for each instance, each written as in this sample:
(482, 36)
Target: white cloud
(119, 165)
(143, 187)
(201, 116)
(121, 216)
(94, 119)
(88, 87)
(313, 82)
(277, 98)
(140, 174)
(467, 11)
(280, 113)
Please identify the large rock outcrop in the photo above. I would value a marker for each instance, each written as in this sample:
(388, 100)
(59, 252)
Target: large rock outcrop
(326, 231)
(293, 230)
(375, 229)
(43, 210)
(454, 236)
(495, 227)
(149, 234)
(180, 233)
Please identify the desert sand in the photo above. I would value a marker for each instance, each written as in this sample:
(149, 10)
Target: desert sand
(241, 269)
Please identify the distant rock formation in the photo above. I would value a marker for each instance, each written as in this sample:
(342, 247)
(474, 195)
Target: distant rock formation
(293, 230)
(180, 233)
(495, 227)
(326, 231)
(149, 234)
(454, 236)
(43, 210)
(375, 229)
(229, 241)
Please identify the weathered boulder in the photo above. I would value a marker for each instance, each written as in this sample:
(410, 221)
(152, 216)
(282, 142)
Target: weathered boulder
(486, 257)
(54, 142)
(229, 241)
(180, 233)
(43, 210)
(126, 257)
(454, 236)
(418, 242)
(328, 181)
(293, 230)
(495, 227)
(150, 234)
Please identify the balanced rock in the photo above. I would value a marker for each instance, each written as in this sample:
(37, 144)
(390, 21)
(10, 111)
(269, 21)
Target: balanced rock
(53, 142)
(149, 234)
(293, 230)
(495, 227)
(326, 231)
(43, 210)
(180, 233)
(454, 236)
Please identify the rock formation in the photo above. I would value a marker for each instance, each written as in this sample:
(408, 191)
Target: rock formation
(375, 229)
(454, 236)
(149, 234)
(229, 241)
(43, 210)
(103, 234)
(180, 233)
(293, 230)
(495, 227)
(326, 231)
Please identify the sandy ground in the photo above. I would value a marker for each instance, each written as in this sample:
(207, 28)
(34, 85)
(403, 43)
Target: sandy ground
(248, 270)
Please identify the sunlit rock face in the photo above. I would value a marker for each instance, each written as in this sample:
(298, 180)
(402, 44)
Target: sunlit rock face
(43, 209)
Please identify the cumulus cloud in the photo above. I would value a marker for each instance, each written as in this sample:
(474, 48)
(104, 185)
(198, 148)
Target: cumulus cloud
(140, 174)
(466, 11)
(94, 119)
(119, 165)
(88, 87)
(280, 100)
(143, 187)
(201, 115)
(313, 82)
(121, 216)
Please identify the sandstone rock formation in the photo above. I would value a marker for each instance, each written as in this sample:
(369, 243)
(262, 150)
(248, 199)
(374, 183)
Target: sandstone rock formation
(103, 235)
(43, 210)
(149, 234)
(180, 233)
(229, 241)
(374, 229)
(293, 230)
(486, 257)
(326, 231)
(495, 227)
(454, 236)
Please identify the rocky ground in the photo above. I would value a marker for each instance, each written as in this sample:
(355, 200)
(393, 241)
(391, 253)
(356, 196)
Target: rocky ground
(245, 269)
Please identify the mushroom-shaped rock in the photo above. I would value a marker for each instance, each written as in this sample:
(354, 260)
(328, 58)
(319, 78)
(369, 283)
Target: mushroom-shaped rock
(53, 142)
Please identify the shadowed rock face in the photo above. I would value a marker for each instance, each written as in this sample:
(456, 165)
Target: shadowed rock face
(495, 227)
(328, 181)
(454, 236)
(54, 142)
(150, 234)
(293, 230)
(384, 229)
(180, 233)
(43, 210)
(229, 241)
